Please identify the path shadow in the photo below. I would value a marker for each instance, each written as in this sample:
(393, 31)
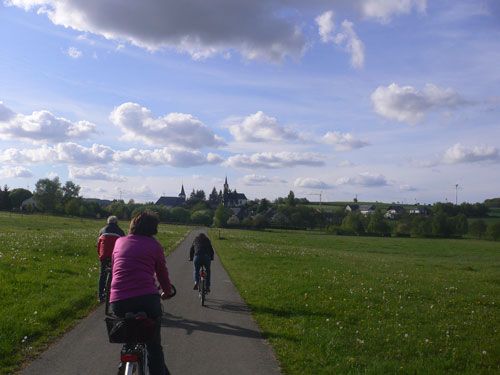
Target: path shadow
(228, 306)
(190, 326)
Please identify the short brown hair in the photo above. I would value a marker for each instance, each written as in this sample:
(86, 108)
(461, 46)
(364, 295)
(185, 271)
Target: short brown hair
(144, 223)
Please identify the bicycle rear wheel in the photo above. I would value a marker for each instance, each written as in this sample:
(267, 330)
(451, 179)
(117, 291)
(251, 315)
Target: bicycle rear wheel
(202, 291)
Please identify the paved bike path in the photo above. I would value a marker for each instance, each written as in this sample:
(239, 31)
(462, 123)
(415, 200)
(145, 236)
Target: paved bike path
(221, 338)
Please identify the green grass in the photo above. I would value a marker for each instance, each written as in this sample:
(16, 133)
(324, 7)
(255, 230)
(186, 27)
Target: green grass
(335, 304)
(48, 279)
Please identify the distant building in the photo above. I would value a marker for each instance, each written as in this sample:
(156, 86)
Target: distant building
(232, 198)
(394, 211)
(29, 204)
(419, 210)
(171, 202)
(364, 209)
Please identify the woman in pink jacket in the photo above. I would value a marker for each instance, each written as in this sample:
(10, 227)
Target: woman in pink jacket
(136, 259)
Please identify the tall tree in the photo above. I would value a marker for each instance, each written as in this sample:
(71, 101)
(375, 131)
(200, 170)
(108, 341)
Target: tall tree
(17, 196)
(70, 190)
(290, 199)
(48, 194)
(5, 203)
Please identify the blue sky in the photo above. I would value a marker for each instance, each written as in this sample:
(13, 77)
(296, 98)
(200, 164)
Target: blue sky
(389, 100)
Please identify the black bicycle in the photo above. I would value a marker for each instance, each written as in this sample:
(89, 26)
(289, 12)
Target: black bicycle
(202, 285)
(133, 331)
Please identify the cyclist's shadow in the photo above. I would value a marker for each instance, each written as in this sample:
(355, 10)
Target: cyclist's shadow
(173, 321)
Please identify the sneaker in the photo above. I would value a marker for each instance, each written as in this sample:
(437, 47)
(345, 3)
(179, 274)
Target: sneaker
(195, 287)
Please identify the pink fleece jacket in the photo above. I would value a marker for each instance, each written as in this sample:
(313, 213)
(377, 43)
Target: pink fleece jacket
(135, 261)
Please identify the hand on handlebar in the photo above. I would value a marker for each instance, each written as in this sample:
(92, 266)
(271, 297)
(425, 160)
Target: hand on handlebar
(172, 293)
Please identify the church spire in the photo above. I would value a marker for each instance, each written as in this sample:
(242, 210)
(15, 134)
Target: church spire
(182, 194)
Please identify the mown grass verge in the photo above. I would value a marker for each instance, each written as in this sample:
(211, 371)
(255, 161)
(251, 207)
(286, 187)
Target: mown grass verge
(335, 305)
(48, 279)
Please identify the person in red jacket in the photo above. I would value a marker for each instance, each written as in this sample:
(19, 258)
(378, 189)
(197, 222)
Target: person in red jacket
(105, 245)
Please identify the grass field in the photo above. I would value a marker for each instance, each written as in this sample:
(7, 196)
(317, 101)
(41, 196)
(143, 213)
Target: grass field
(48, 279)
(336, 304)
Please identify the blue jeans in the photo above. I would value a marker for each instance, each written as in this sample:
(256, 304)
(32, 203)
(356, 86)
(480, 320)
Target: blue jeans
(105, 263)
(151, 305)
(198, 261)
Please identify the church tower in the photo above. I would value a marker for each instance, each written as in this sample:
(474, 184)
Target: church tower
(226, 186)
(182, 194)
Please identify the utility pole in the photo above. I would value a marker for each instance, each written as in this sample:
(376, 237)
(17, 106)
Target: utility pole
(456, 194)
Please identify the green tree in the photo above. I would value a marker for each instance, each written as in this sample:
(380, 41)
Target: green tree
(263, 206)
(441, 225)
(17, 196)
(203, 217)
(477, 228)
(290, 199)
(377, 224)
(259, 221)
(460, 225)
(233, 221)
(221, 216)
(5, 203)
(70, 190)
(494, 231)
(48, 194)
(180, 215)
(421, 227)
(353, 223)
(72, 207)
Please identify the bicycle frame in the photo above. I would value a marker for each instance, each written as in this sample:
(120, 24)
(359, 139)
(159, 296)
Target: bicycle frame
(202, 286)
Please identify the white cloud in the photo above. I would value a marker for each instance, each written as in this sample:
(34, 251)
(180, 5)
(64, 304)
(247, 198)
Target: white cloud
(326, 26)
(310, 183)
(272, 160)
(258, 180)
(364, 179)
(199, 28)
(343, 141)
(351, 42)
(174, 129)
(406, 187)
(15, 172)
(94, 173)
(166, 156)
(260, 127)
(41, 126)
(407, 104)
(346, 163)
(460, 154)
(383, 10)
(74, 52)
(75, 154)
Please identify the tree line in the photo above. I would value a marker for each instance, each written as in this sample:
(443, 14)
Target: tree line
(443, 220)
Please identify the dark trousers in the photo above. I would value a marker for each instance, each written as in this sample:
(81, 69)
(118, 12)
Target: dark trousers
(105, 263)
(200, 260)
(151, 305)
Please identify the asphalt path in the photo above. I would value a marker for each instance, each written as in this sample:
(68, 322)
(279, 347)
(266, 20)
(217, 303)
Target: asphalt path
(220, 338)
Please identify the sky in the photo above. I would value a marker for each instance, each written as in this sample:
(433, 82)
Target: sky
(383, 100)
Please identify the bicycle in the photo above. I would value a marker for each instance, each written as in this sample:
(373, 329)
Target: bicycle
(202, 285)
(133, 331)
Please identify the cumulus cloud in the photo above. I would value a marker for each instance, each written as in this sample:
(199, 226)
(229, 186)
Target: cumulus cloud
(199, 28)
(461, 154)
(343, 141)
(346, 38)
(16, 172)
(256, 180)
(75, 154)
(260, 127)
(174, 129)
(41, 126)
(383, 10)
(274, 160)
(94, 173)
(310, 183)
(364, 179)
(326, 26)
(166, 156)
(408, 104)
(74, 52)
(351, 42)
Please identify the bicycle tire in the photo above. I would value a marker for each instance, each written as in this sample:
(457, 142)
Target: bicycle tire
(202, 291)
